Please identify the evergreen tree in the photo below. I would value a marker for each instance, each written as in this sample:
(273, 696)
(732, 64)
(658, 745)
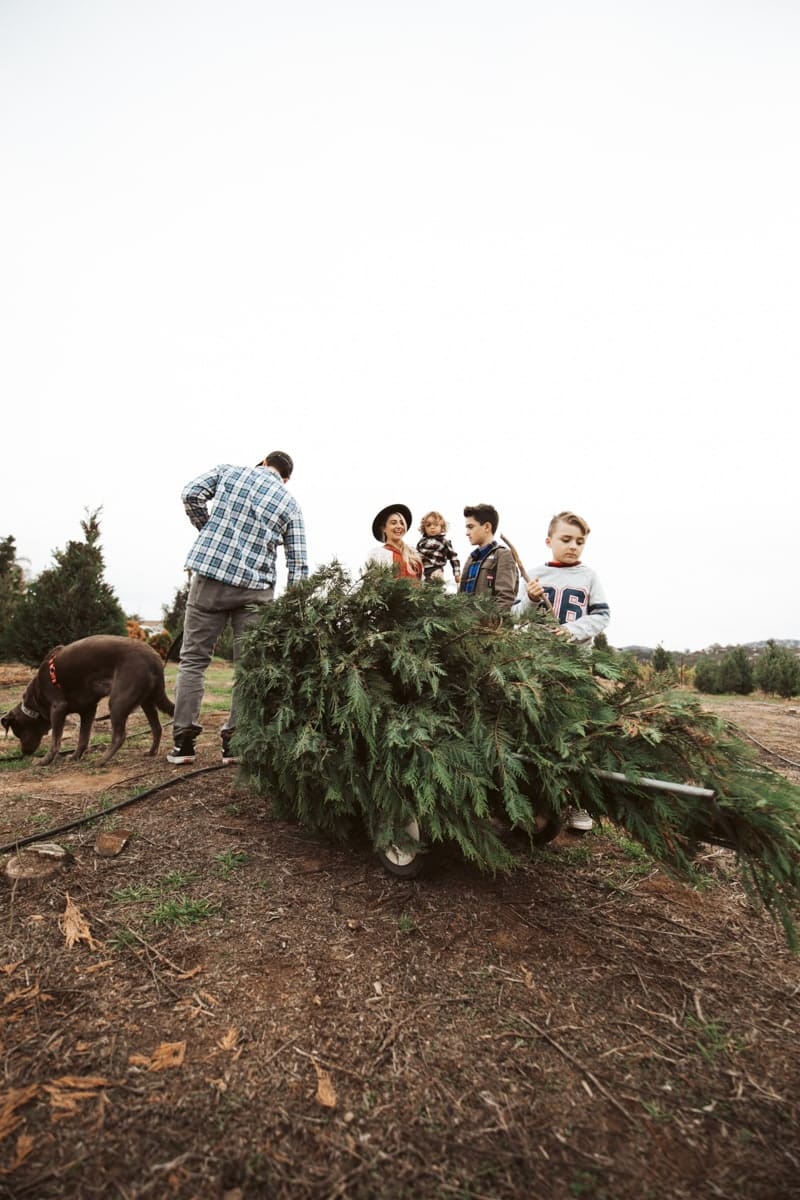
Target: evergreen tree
(174, 613)
(604, 658)
(777, 671)
(662, 660)
(12, 585)
(706, 676)
(378, 703)
(67, 601)
(174, 616)
(735, 673)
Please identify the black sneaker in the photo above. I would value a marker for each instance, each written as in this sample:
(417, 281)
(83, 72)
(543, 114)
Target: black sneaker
(183, 751)
(228, 756)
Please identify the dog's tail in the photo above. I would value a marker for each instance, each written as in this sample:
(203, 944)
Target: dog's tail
(163, 701)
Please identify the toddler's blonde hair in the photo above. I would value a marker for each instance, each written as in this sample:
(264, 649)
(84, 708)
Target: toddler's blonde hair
(438, 516)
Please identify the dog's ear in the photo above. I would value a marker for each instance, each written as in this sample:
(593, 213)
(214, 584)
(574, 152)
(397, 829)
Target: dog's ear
(6, 722)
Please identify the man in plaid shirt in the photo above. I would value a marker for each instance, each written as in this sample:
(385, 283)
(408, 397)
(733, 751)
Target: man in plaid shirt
(233, 565)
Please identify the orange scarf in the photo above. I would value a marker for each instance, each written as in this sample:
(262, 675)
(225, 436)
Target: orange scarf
(405, 572)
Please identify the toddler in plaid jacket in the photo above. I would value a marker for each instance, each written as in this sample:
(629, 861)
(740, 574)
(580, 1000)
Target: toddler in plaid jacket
(435, 548)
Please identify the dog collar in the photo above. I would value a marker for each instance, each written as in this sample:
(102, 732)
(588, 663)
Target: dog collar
(27, 712)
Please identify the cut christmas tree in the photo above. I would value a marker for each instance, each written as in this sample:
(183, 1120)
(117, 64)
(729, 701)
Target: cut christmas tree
(375, 703)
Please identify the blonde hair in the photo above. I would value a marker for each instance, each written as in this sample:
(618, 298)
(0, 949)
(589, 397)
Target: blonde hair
(410, 556)
(569, 518)
(437, 516)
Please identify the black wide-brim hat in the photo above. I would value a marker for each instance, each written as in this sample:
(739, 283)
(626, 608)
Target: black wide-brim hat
(385, 513)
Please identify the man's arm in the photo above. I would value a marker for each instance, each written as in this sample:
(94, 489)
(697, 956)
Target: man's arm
(294, 544)
(195, 496)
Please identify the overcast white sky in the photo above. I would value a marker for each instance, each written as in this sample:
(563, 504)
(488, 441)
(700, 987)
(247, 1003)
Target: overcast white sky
(542, 255)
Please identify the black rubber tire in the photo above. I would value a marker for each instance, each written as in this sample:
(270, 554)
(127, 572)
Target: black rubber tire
(401, 870)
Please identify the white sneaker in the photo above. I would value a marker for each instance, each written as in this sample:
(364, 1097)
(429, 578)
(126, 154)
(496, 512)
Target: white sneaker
(578, 818)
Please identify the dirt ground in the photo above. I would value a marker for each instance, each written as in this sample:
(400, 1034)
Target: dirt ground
(247, 1011)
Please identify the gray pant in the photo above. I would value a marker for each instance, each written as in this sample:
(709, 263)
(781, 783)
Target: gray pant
(209, 607)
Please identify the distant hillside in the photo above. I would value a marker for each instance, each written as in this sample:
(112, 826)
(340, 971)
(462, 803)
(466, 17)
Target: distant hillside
(689, 657)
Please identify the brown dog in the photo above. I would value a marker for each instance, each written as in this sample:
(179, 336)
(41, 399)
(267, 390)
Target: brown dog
(74, 678)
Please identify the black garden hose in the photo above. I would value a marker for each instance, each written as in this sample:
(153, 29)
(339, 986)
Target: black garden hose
(159, 787)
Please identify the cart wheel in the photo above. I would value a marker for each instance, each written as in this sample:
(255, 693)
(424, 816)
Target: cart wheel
(548, 826)
(402, 863)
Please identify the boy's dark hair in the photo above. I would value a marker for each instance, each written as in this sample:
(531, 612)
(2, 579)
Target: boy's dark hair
(281, 461)
(483, 513)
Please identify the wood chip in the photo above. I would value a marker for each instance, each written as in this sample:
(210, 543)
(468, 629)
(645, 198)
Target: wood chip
(108, 844)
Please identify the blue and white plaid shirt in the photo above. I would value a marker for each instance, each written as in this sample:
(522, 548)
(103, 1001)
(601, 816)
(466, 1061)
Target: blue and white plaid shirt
(252, 514)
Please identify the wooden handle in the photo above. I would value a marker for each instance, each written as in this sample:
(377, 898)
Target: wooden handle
(516, 557)
(523, 572)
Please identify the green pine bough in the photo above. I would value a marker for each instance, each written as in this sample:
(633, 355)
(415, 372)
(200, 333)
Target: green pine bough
(366, 703)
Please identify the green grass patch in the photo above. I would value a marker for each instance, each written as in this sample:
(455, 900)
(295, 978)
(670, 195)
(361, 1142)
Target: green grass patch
(711, 1038)
(15, 762)
(229, 861)
(123, 939)
(178, 879)
(183, 912)
(138, 893)
(575, 856)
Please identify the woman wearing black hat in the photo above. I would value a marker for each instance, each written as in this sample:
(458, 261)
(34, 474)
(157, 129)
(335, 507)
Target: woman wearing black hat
(388, 528)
